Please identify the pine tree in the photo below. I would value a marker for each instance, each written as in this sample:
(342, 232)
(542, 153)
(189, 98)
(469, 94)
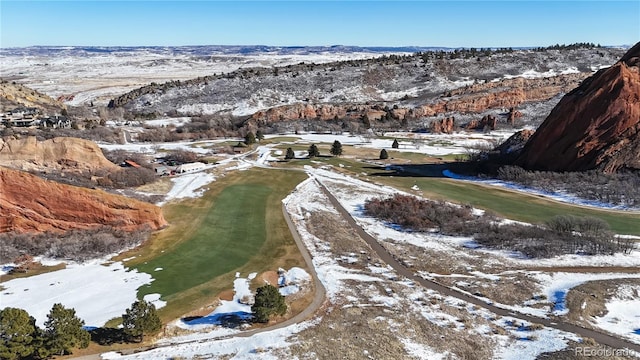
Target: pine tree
(383, 154)
(313, 151)
(18, 334)
(250, 138)
(259, 135)
(141, 319)
(336, 148)
(290, 154)
(63, 331)
(268, 301)
(395, 144)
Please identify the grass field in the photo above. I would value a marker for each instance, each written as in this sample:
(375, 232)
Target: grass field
(509, 204)
(236, 226)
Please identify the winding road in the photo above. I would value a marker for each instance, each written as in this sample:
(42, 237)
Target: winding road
(555, 323)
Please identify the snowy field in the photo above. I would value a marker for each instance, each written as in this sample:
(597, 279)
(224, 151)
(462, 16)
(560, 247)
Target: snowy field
(97, 291)
(421, 143)
(98, 77)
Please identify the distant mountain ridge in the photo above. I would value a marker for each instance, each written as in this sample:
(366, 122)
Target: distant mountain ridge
(216, 49)
(494, 80)
(198, 50)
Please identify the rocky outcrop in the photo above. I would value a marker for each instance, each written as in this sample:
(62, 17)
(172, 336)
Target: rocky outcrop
(14, 95)
(31, 204)
(513, 115)
(595, 126)
(487, 121)
(515, 143)
(477, 98)
(444, 126)
(61, 153)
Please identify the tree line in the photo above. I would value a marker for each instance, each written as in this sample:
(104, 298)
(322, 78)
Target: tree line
(21, 338)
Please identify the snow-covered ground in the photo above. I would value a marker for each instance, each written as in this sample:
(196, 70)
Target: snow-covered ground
(421, 143)
(188, 186)
(623, 313)
(97, 291)
(97, 77)
(258, 346)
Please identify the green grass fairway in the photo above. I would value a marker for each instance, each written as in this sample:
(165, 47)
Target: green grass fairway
(232, 231)
(509, 204)
(237, 225)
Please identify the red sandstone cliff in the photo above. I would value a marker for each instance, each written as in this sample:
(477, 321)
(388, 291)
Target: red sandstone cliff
(31, 204)
(503, 94)
(595, 126)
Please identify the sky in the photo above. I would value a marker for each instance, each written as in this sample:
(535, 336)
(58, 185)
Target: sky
(313, 23)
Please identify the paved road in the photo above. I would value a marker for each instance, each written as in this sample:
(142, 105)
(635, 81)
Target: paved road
(556, 323)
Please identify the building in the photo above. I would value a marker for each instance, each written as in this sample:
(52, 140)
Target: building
(190, 167)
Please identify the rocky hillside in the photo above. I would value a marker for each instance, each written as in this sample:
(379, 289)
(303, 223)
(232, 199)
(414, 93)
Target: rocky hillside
(61, 153)
(595, 126)
(423, 84)
(31, 204)
(14, 95)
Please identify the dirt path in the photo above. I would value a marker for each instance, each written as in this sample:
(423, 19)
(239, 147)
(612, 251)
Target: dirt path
(555, 323)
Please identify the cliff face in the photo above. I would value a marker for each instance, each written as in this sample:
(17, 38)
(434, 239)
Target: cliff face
(595, 126)
(503, 94)
(31, 204)
(55, 154)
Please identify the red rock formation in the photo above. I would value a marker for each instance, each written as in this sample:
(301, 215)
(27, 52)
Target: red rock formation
(489, 121)
(31, 204)
(504, 94)
(444, 126)
(59, 153)
(513, 115)
(515, 143)
(597, 125)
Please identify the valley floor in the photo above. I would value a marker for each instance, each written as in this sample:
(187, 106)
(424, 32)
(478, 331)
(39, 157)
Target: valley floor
(496, 304)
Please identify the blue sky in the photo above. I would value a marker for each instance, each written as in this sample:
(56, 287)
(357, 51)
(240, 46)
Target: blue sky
(288, 23)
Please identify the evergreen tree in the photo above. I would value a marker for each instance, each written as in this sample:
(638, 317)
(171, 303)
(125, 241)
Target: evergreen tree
(268, 301)
(395, 144)
(383, 154)
(18, 334)
(336, 148)
(313, 151)
(259, 135)
(141, 319)
(63, 331)
(290, 154)
(250, 138)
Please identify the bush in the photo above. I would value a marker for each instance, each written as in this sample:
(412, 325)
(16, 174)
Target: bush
(561, 235)
(79, 245)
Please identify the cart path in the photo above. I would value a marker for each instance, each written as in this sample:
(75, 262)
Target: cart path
(555, 323)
